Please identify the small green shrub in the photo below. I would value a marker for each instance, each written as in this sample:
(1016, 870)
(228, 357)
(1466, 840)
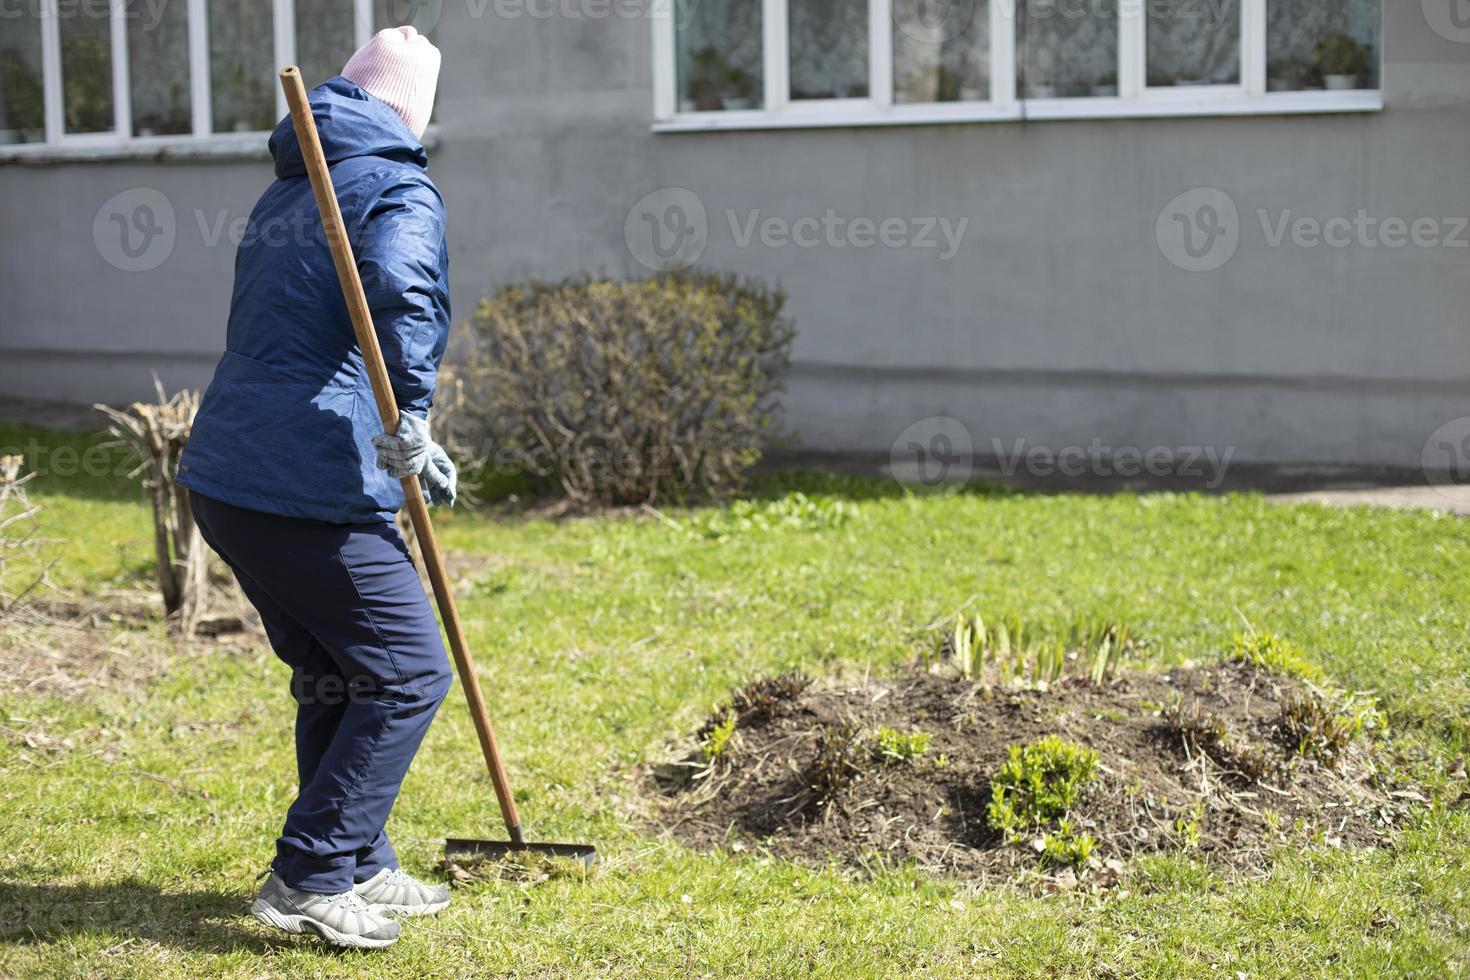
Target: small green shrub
(1039, 782)
(894, 744)
(621, 392)
(1064, 847)
(1269, 652)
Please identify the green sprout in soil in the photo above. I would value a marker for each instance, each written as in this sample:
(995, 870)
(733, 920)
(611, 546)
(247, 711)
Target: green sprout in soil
(1101, 646)
(717, 742)
(1269, 652)
(1064, 847)
(894, 744)
(1188, 829)
(1324, 725)
(1038, 783)
(1006, 652)
(1207, 733)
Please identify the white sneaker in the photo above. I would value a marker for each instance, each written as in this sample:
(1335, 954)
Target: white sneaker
(392, 890)
(344, 919)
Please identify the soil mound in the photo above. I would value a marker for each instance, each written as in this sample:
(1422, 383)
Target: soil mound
(1225, 760)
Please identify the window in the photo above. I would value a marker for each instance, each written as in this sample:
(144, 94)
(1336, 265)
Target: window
(157, 43)
(22, 116)
(828, 49)
(719, 57)
(99, 73)
(1067, 51)
(940, 53)
(1193, 44)
(772, 63)
(1313, 45)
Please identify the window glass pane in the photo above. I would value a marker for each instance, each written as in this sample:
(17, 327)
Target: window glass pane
(829, 49)
(1066, 49)
(158, 67)
(1191, 42)
(22, 104)
(718, 59)
(941, 51)
(241, 65)
(86, 66)
(1313, 44)
(326, 36)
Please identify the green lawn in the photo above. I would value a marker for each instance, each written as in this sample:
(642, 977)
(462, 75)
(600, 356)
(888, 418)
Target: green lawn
(132, 851)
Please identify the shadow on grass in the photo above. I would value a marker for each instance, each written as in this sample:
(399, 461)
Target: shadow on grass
(203, 921)
(774, 484)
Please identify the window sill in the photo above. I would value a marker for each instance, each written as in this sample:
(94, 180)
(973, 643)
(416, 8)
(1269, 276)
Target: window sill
(1151, 105)
(98, 149)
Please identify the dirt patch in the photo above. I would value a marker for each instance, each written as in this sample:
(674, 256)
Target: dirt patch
(65, 646)
(846, 772)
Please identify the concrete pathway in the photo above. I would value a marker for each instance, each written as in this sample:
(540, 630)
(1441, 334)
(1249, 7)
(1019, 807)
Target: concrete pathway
(1452, 499)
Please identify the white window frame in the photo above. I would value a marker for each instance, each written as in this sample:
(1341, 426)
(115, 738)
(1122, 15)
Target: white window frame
(203, 140)
(1134, 99)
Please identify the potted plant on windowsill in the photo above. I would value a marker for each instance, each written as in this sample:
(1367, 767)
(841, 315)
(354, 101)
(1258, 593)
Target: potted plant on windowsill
(741, 86)
(1287, 75)
(25, 121)
(707, 79)
(1106, 85)
(947, 85)
(1342, 61)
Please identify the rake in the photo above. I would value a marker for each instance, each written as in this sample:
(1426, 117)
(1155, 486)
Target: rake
(413, 499)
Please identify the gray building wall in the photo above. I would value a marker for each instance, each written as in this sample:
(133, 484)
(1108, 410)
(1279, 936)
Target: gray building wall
(1059, 320)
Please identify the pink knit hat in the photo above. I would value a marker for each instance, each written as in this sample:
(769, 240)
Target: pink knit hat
(401, 67)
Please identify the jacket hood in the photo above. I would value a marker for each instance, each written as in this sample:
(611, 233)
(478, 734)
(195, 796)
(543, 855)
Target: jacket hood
(351, 122)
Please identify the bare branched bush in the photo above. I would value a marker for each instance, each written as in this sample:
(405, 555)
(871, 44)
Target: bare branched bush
(156, 434)
(20, 540)
(622, 392)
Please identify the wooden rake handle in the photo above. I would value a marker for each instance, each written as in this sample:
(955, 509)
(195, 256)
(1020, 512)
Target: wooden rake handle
(413, 498)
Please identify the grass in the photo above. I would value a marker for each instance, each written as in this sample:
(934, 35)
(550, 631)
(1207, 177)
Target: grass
(132, 851)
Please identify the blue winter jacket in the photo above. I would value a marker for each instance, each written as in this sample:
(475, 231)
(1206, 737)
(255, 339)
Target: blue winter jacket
(285, 425)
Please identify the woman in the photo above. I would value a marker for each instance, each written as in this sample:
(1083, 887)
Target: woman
(294, 485)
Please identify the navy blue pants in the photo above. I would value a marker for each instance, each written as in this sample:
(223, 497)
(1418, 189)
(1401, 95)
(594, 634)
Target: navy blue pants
(343, 606)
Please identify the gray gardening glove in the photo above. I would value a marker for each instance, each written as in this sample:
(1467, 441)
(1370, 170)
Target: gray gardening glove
(439, 477)
(412, 453)
(406, 453)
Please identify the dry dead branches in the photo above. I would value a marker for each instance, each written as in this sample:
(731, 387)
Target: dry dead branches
(19, 535)
(156, 434)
